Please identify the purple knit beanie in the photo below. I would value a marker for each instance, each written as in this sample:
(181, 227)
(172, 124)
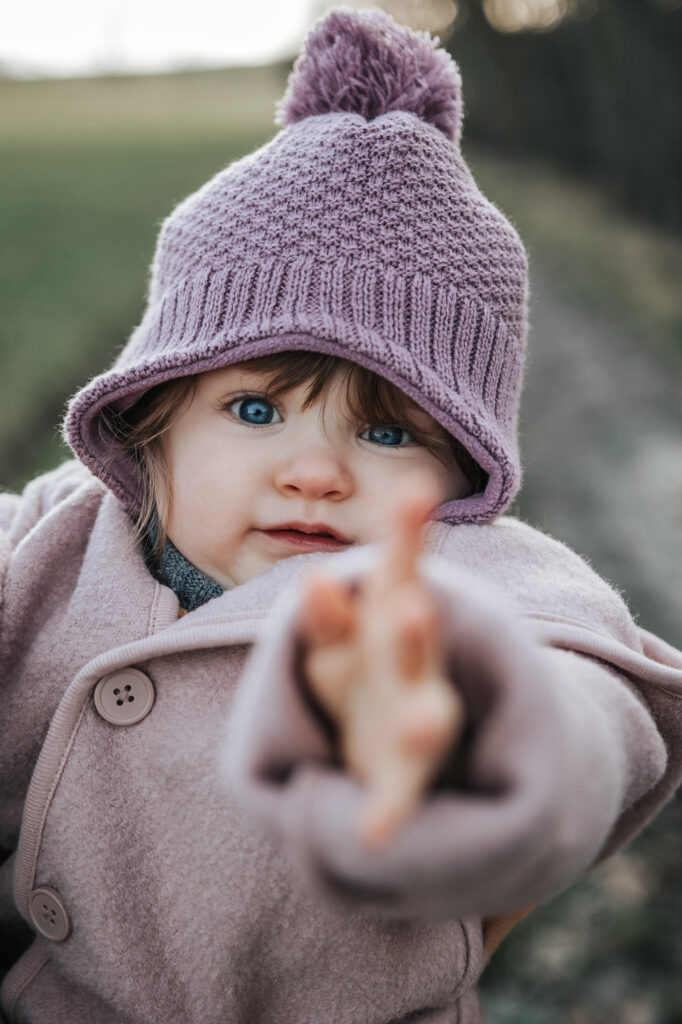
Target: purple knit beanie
(358, 231)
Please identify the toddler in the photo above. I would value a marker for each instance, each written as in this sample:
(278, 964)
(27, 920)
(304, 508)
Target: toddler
(296, 721)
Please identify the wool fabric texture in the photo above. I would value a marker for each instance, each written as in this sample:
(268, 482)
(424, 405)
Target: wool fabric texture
(187, 907)
(190, 585)
(358, 231)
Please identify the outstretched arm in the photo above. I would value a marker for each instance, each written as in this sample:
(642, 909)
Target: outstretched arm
(483, 769)
(374, 660)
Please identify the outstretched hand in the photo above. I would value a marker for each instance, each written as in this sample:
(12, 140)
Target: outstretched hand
(374, 661)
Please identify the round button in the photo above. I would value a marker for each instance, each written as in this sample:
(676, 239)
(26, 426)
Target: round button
(124, 697)
(48, 914)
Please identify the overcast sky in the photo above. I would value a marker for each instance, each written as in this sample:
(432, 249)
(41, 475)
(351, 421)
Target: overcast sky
(67, 37)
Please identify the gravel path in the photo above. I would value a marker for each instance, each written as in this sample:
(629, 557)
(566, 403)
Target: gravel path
(601, 435)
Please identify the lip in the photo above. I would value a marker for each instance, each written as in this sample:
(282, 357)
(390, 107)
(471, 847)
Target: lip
(307, 536)
(316, 528)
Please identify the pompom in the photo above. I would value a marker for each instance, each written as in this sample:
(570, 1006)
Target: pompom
(363, 62)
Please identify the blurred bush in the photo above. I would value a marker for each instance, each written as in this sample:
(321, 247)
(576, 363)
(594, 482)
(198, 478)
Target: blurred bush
(593, 85)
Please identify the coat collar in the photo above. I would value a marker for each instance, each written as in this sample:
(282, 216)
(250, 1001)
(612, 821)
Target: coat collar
(141, 602)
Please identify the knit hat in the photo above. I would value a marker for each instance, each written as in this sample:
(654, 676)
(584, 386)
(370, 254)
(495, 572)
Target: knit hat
(358, 231)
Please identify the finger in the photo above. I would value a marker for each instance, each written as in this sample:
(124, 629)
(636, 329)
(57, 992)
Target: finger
(378, 823)
(426, 736)
(415, 499)
(395, 796)
(416, 651)
(388, 805)
(326, 614)
(433, 723)
(328, 673)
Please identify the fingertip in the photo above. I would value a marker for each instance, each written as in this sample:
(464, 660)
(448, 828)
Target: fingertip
(315, 587)
(315, 607)
(420, 496)
(324, 589)
(327, 613)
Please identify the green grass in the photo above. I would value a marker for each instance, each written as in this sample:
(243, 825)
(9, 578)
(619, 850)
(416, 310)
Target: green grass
(89, 171)
(83, 221)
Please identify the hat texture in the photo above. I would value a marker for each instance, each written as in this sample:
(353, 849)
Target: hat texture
(358, 231)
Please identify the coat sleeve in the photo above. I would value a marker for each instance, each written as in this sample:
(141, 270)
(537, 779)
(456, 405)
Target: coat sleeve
(19, 513)
(24, 582)
(562, 761)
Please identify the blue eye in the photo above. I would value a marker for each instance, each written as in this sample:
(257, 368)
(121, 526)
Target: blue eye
(257, 411)
(388, 437)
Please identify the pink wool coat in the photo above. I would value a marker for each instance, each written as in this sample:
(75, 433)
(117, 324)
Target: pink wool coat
(194, 859)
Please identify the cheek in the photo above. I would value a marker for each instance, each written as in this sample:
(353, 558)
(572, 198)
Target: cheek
(379, 479)
(219, 484)
(202, 479)
(201, 461)
(453, 481)
(376, 484)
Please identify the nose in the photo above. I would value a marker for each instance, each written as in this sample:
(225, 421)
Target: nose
(314, 474)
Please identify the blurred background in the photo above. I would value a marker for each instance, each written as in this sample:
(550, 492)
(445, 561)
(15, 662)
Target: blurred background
(111, 111)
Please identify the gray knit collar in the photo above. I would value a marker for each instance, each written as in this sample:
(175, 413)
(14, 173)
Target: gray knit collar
(191, 586)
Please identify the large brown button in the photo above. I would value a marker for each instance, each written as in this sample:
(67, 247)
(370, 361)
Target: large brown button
(124, 697)
(48, 914)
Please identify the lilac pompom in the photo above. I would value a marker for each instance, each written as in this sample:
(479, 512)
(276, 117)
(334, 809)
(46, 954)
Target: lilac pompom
(363, 62)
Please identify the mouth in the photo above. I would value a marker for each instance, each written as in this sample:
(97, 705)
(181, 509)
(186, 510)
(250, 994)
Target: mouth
(307, 536)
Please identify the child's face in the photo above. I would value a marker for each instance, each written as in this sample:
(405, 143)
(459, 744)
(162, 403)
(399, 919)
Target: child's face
(253, 482)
